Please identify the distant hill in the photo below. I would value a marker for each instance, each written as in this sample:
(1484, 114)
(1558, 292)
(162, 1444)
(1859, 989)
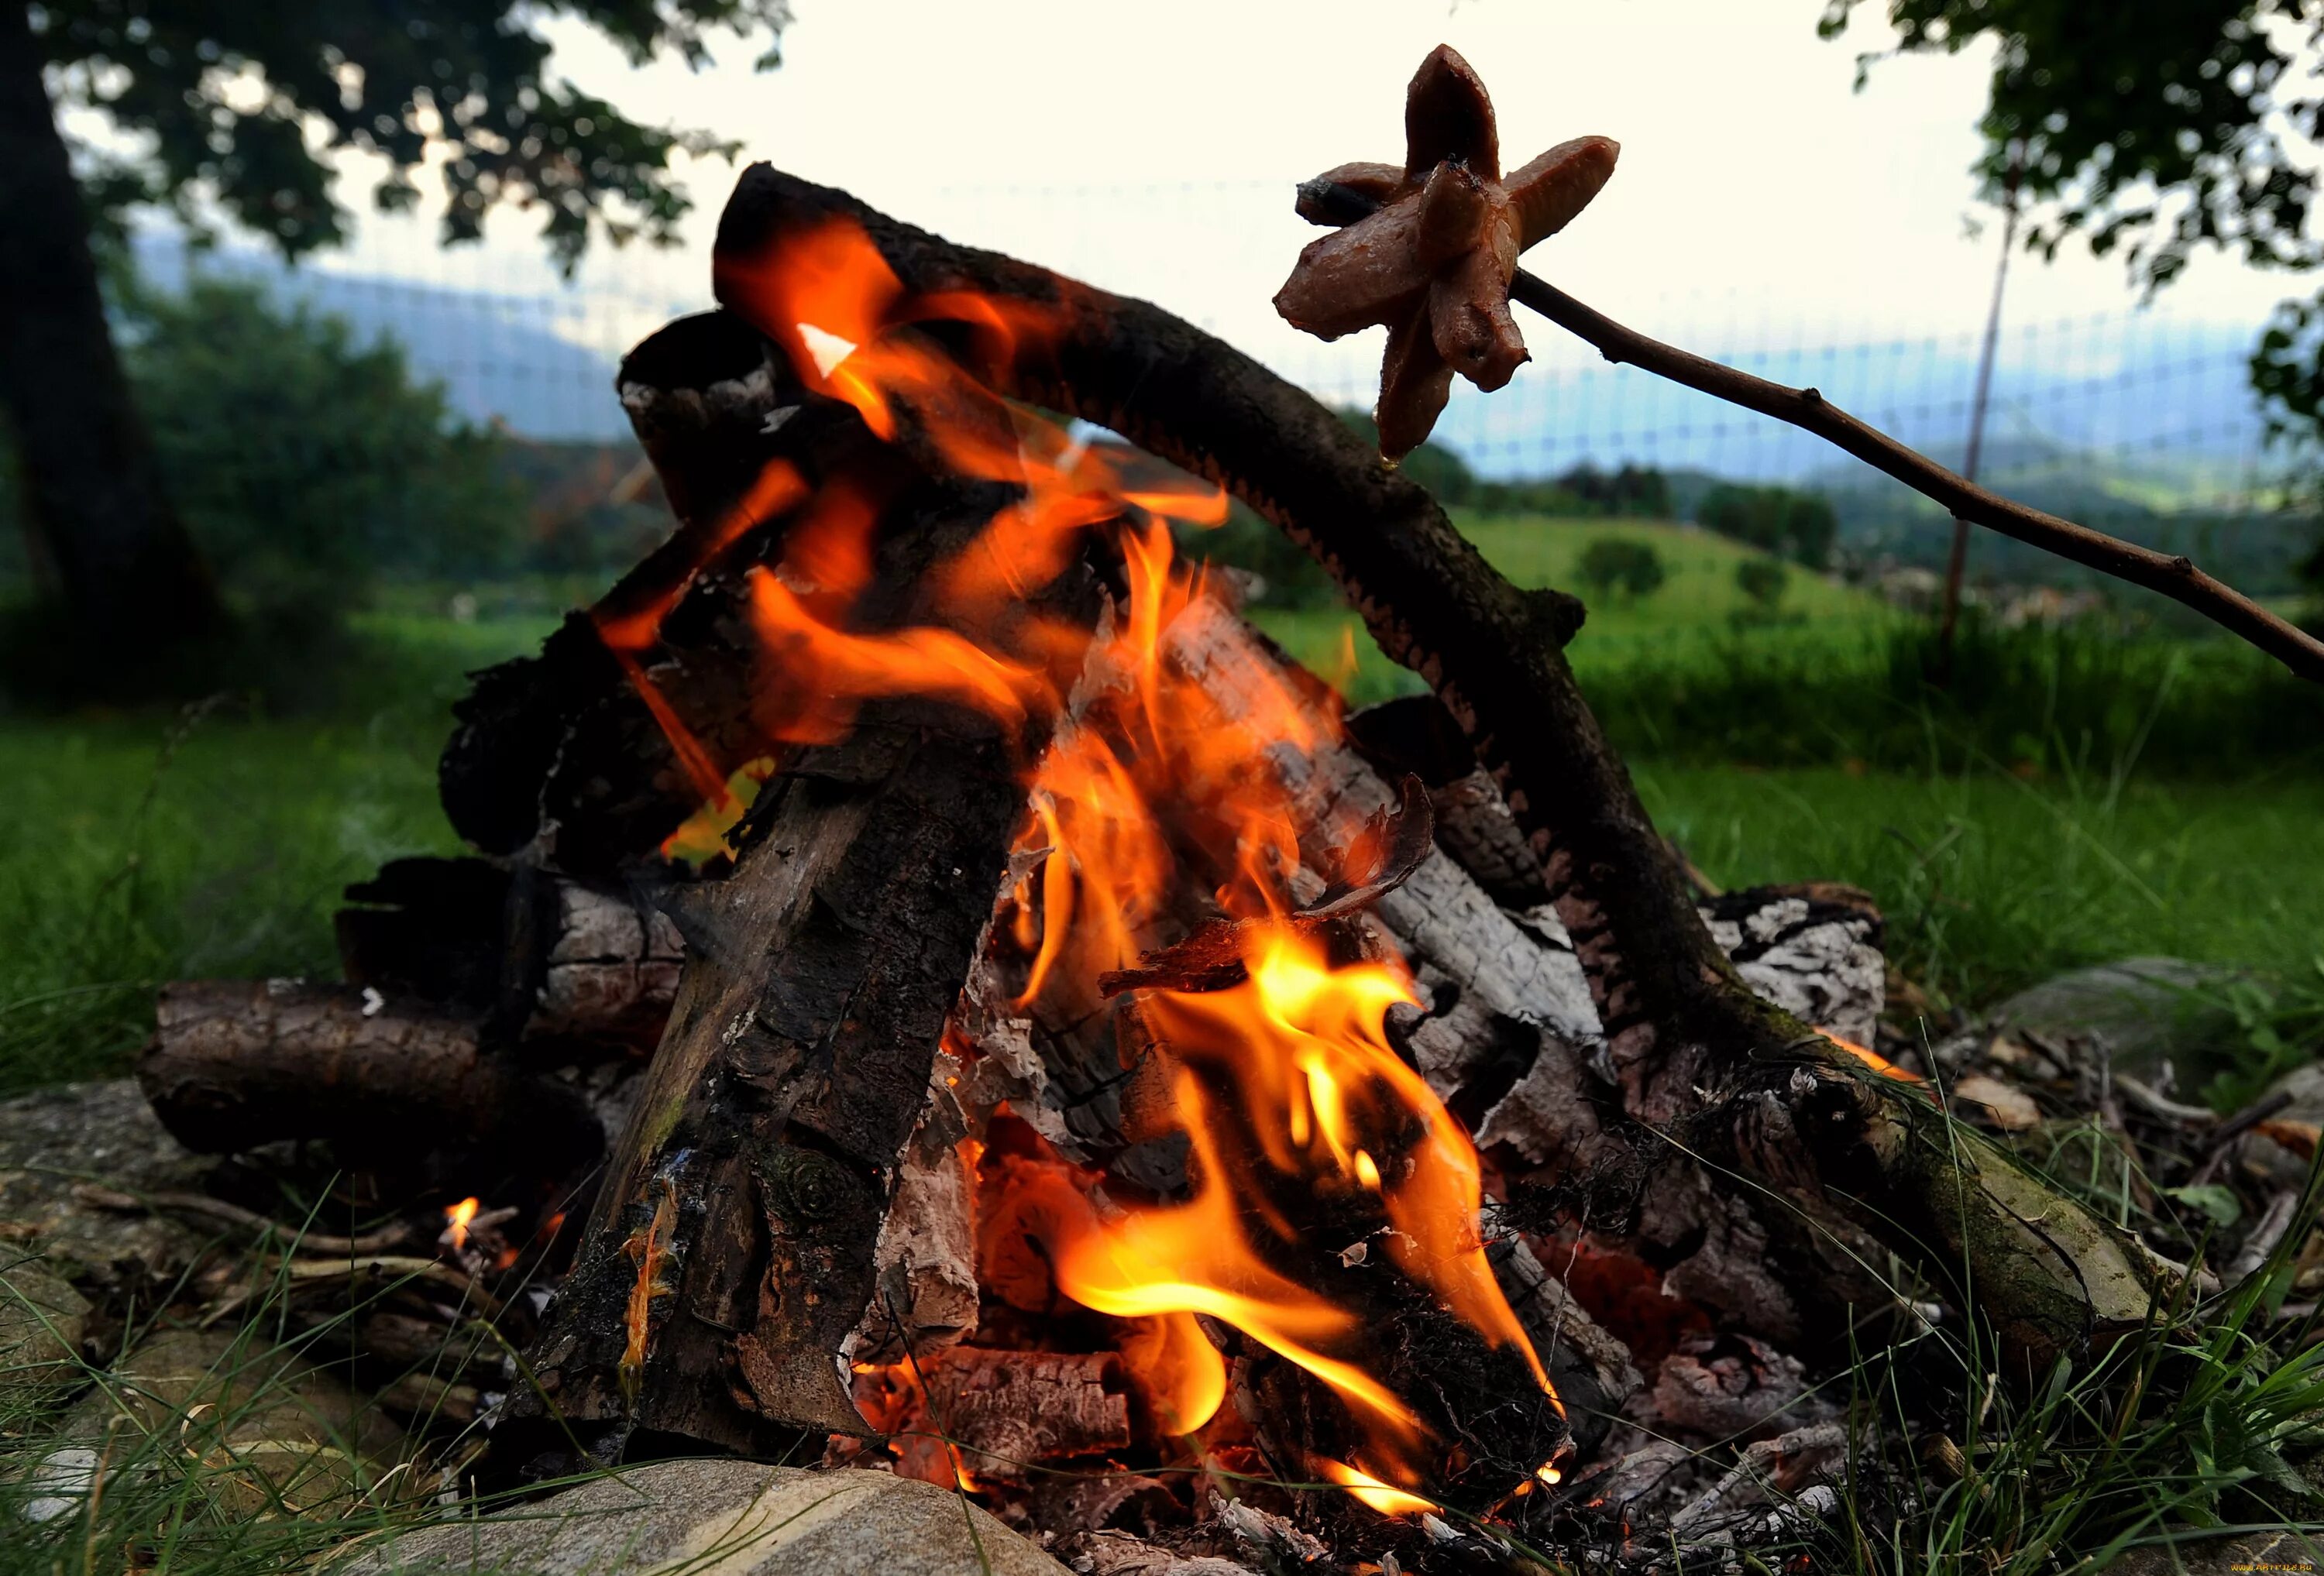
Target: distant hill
(497, 357)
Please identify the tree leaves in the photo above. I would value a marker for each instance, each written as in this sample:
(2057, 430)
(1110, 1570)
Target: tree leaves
(243, 105)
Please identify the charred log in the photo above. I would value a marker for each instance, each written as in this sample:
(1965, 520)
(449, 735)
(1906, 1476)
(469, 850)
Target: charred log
(561, 754)
(732, 1254)
(535, 956)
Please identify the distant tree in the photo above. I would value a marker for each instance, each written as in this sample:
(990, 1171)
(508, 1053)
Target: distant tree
(2156, 131)
(2311, 574)
(1812, 529)
(234, 107)
(1639, 491)
(1763, 581)
(1799, 526)
(306, 463)
(1751, 515)
(1612, 563)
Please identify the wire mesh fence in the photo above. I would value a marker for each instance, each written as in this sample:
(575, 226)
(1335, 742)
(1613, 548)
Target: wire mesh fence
(2131, 401)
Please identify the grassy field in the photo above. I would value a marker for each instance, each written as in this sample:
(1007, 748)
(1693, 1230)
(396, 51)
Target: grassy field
(140, 849)
(1694, 609)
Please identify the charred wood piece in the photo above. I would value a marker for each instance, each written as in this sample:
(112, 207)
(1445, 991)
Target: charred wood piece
(536, 956)
(798, 1062)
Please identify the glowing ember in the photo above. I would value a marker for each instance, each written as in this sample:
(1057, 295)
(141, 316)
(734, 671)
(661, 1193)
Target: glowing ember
(1873, 1059)
(1145, 792)
(456, 1222)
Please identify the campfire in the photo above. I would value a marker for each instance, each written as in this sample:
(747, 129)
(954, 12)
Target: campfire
(940, 992)
(1169, 1122)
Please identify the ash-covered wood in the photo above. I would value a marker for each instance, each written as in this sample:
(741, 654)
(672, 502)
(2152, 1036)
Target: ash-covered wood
(1012, 1412)
(1812, 949)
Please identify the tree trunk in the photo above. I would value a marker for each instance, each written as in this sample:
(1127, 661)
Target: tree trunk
(98, 517)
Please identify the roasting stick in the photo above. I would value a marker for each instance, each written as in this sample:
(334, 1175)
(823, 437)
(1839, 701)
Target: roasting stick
(2175, 577)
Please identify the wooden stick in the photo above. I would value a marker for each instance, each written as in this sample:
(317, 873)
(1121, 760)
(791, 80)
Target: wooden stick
(203, 1207)
(2174, 576)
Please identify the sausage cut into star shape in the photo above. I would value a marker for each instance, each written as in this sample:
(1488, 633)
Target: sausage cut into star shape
(1435, 260)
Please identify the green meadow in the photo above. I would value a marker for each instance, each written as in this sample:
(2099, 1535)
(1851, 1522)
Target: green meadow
(2066, 805)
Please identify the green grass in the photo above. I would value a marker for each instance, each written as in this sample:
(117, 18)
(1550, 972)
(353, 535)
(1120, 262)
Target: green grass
(1692, 614)
(130, 860)
(142, 849)
(1991, 883)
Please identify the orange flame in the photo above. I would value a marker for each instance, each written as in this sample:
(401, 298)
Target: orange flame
(1371, 1491)
(456, 1222)
(1149, 792)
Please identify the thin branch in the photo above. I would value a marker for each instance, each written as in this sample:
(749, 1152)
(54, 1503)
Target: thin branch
(2176, 578)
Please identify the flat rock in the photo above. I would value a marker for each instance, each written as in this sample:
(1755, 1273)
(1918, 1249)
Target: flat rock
(2146, 1009)
(726, 1517)
(55, 1139)
(42, 1322)
(273, 1433)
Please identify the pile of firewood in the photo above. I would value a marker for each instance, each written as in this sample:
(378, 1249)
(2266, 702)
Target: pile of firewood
(790, 1128)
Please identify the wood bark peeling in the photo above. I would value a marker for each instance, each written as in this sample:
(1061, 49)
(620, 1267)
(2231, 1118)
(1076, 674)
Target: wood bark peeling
(1696, 1052)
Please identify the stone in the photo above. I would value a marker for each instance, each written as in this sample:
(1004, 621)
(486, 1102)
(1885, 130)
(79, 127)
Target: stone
(42, 1322)
(713, 1518)
(2287, 1552)
(273, 1433)
(55, 1139)
(2147, 1010)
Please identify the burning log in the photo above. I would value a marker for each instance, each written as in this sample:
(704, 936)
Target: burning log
(1694, 1050)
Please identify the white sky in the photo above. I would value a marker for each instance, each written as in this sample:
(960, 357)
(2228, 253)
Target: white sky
(1760, 201)
(1749, 168)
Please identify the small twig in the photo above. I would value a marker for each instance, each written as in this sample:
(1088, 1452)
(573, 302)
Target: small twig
(402, 1267)
(218, 1210)
(2265, 1235)
(2172, 576)
(2234, 1128)
(2158, 1104)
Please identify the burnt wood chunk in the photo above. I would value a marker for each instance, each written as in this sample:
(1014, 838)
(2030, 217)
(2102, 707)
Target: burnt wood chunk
(757, 1171)
(534, 955)
(430, 930)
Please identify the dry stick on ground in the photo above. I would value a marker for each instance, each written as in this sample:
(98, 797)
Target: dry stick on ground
(2174, 576)
(1697, 1055)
